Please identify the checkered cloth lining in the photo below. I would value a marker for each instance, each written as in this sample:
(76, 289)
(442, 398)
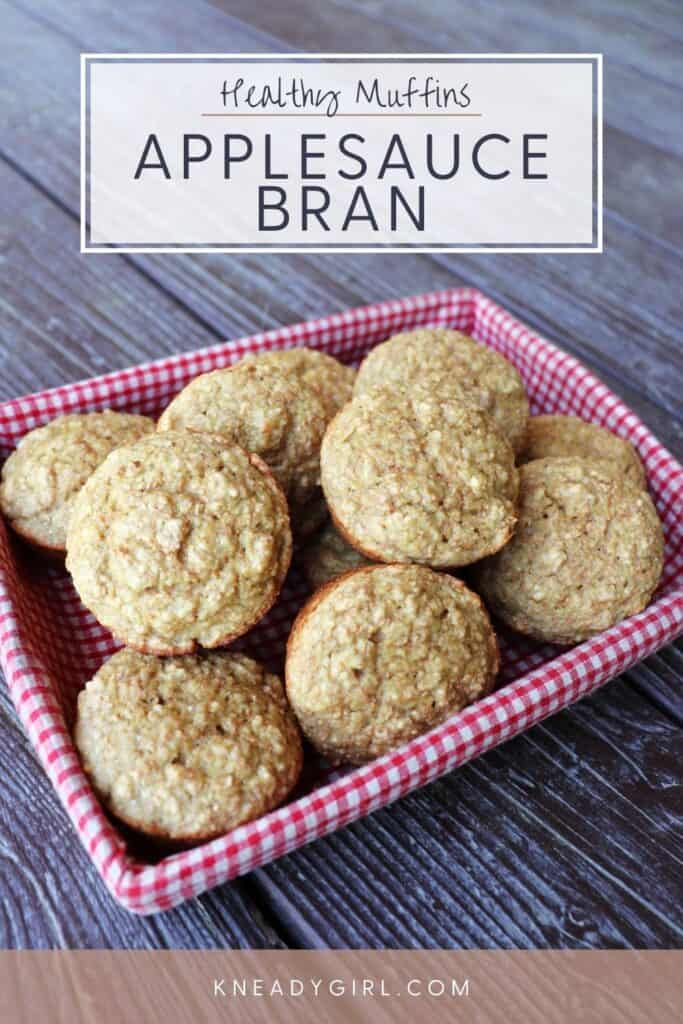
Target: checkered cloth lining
(50, 645)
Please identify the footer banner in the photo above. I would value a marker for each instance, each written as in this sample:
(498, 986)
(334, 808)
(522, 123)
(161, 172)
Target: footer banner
(548, 987)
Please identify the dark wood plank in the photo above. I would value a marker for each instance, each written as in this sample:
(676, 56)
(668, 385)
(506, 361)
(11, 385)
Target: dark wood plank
(659, 679)
(563, 837)
(42, 43)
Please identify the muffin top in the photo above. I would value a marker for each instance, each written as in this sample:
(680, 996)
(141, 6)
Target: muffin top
(587, 552)
(558, 436)
(410, 475)
(177, 540)
(328, 556)
(187, 748)
(42, 477)
(331, 379)
(383, 654)
(268, 410)
(485, 377)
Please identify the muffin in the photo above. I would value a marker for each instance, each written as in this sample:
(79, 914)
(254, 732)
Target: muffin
(383, 654)
(265, 411)
(179, 540)
(42, 477)
(331, 379)
(411, 476)
(487, 379)
(587, 552)
(187, 748)
(558, 436)
(277, 405)
(328, 556)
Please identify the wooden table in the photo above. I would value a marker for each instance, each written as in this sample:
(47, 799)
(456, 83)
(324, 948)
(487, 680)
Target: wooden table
(567, 836)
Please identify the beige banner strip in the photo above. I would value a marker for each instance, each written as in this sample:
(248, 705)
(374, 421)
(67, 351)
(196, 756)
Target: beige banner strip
(381, 987)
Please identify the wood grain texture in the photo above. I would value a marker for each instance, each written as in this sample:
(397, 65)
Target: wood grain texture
(563, 837)
(64, 316)
(566, 836)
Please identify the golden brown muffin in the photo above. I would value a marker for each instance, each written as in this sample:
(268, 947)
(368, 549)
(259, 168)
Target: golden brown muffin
(178, 540)
(328, 556)
(559, 436)
(587, 553)
(384, 653)
(41, 479)
(277, 405)
(331, 379)
(412, 476)
(267, 412)
(485, 377)
(187, 748)
(333, 382)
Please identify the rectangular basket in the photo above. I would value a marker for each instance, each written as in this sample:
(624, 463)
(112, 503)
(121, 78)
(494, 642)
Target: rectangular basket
(50, 645)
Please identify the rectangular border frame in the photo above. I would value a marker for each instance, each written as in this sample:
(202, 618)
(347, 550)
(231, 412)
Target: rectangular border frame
(598, 168)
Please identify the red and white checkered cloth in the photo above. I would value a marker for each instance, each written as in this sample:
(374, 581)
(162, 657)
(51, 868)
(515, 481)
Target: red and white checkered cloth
(50, 645)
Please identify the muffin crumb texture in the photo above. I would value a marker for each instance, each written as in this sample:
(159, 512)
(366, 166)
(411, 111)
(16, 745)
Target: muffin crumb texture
(41, 478)
(179, 540)
(562, 436)
(413, 476)
(276, 405)
(383, 654)
(479, 374)
(187, 748)
(332, 380)
(587, 553)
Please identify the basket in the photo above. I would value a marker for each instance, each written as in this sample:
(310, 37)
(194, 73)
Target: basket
(50, 645)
